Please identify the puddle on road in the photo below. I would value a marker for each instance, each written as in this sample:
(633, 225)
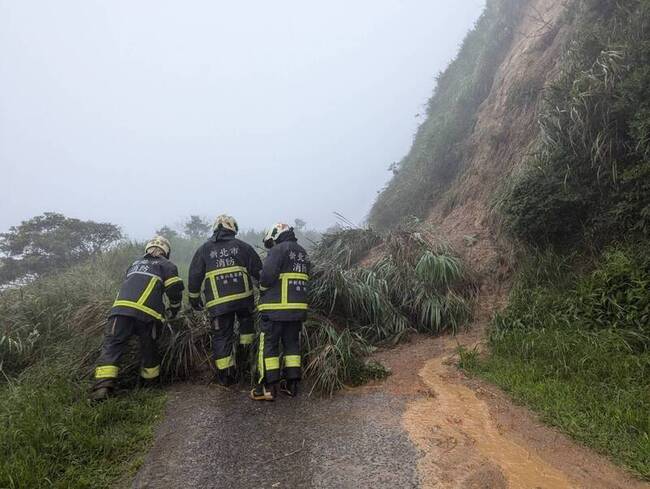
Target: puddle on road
(455, 431)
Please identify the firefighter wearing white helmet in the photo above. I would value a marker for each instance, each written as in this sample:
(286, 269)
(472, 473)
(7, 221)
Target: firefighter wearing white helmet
(158, 246)
(225, 222)
(221, 274)
(139, 310)
(274, 233)
(283, 307)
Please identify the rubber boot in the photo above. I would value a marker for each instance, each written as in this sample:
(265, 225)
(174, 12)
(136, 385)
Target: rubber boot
(289, 387)
(264, 393)
(102, 390)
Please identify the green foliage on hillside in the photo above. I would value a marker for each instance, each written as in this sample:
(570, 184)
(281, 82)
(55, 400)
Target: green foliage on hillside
(436, 156)
(574, 341)
(574, 344)
(58, 313)
(590, 178)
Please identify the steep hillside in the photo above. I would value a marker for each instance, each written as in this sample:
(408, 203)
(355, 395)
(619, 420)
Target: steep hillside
(545, 99)
(504, 135)
(438, 150)
(481, 125)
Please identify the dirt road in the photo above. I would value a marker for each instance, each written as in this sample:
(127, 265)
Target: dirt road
(426, 426)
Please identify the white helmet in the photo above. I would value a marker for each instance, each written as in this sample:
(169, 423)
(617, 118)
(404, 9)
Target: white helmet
(158, 242)
(225, 222)
(274, 233)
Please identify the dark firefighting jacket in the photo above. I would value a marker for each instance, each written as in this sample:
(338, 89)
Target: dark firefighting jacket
(283, 281)
(141, 294)
(223, 266)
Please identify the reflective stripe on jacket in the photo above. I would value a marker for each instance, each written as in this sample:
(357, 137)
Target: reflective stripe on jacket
(284, 281)
(141, 293)
(223, 267)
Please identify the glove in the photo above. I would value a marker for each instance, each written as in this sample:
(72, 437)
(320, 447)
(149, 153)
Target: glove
(196, 303)
(172, 312)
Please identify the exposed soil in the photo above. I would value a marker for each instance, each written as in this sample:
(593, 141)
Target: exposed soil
(472, 436)
(502, 139)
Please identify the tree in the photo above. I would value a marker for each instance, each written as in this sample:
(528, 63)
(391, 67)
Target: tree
(167, 232)
(52, 241)
(299, 224)
(196, 227)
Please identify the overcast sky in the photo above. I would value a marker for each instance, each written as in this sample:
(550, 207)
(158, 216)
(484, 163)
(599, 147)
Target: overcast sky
(143, 112)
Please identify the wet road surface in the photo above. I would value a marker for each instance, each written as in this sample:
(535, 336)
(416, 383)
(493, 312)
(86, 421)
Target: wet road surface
(218, 438)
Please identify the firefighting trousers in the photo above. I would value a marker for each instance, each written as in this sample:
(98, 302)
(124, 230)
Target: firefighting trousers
(273, 334)
(223, 337)
(116, 337)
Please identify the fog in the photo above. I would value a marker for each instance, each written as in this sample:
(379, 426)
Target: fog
(143, 112)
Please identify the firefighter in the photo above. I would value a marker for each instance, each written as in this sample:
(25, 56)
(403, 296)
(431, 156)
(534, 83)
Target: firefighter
(283, 307)
(138, 310)
(224, 266)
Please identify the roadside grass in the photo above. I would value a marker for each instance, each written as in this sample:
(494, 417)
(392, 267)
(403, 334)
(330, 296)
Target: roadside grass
(51, 436)
(574, 345)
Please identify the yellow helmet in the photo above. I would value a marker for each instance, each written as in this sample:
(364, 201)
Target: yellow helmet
(225, 222)
(160, 243)
(274, 233)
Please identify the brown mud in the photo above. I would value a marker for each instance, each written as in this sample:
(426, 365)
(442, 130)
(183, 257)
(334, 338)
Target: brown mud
(471, 436)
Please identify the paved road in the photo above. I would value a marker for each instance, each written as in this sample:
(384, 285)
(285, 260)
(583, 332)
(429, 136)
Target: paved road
(217, 438)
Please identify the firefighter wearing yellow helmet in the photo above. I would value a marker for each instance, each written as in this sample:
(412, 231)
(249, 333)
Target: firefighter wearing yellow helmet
(139, 310)
(220, 279)
(283, 307)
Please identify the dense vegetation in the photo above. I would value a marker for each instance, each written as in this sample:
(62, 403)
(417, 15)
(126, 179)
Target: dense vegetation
(574, 342)
(590, 178)
(436, 156)
(416, 284)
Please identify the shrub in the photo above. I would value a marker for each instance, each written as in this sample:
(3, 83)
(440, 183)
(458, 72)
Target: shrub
(591, 174)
